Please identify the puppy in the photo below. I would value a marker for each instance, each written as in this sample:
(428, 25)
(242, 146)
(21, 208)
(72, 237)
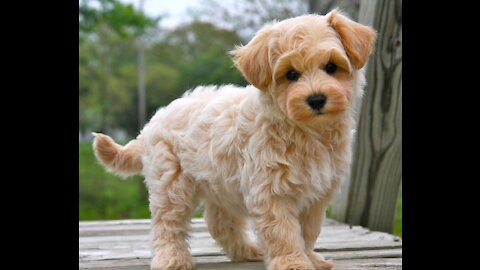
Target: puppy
(274, 151)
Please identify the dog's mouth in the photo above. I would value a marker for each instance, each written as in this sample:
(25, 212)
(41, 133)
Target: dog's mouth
(317, 112)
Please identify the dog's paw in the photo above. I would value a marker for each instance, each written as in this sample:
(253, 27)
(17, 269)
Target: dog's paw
(250, 253)
(254, 254)
(291, 262)
(319, 262)
(160, 262)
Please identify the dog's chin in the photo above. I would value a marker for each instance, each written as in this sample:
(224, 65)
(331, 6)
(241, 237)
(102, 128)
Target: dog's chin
(310, 117)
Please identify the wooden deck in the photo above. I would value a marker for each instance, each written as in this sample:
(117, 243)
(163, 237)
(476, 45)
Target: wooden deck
(124, 244)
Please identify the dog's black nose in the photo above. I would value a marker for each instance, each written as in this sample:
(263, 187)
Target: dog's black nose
(317, 101)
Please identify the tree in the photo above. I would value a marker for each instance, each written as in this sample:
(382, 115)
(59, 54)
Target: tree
(121, 18)
(231, 14)
(370, 193)
(198, 52)
(106, 28)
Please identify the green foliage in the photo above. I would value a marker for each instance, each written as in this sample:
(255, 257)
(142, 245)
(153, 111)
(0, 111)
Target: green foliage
(108, 76)
(209, 68)
(123, 19)
(191, 55)
(106, 196)
(202, 50)
(161, 82)
(107, 55)
(199, 37)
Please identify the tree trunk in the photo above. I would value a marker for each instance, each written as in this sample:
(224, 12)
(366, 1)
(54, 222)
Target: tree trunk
(141, 87)
(369, 197)
(142, 110)
(105, 60)
(142, 95)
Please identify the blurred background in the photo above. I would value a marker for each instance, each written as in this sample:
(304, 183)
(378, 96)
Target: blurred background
(138, 55)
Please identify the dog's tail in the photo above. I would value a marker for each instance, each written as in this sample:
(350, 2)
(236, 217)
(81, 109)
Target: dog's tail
(123, 160)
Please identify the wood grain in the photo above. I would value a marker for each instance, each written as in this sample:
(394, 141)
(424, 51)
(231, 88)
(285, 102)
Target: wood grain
(370, 195)
(124, 244)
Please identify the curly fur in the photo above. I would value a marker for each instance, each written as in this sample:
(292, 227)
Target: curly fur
(255, 152)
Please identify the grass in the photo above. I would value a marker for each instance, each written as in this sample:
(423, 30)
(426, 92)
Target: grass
(397, 228)
(104, 195)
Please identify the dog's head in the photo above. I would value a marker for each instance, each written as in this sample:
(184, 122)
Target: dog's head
(307, 63)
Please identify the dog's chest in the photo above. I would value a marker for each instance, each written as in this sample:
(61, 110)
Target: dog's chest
(309, 172)
(300, 166)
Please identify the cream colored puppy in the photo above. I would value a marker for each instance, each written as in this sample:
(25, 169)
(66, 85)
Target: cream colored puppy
(274, 151)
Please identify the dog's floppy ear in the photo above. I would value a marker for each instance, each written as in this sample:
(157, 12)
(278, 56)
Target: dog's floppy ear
(358, 40)
(253, 61)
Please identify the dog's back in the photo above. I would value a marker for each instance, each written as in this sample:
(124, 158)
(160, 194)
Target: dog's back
(190, 116)
(195, 105)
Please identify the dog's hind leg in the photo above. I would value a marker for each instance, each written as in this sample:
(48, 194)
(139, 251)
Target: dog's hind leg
(229, 232)
(171, 196)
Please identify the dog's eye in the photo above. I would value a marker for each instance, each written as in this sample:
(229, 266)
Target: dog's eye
(292, 75)
(330, 68)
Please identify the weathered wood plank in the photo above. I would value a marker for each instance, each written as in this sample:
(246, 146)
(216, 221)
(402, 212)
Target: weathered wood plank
(133, 241)
(370, 196)
(125, 245)
(203, 263)
(105, 223)
(94, 235)
(142, 226)
(336, 255)
(330, 255)
(139, 229)
(328, 234)
(127, 229)
(213, 250)
(101, 223)
(343, 236)
(83, 224)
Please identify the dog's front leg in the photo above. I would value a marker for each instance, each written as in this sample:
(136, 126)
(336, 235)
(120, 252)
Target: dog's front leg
(311, 220)
(279, 229)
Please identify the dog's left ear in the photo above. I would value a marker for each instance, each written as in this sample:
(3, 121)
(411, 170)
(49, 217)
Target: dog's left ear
(253, 61)
(357, 39)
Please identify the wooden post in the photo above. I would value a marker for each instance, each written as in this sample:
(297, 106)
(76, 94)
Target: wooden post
(142, 107)
(369, 196)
